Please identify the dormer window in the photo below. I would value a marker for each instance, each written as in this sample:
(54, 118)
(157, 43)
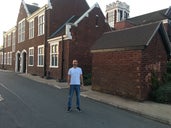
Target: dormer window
(21, 31)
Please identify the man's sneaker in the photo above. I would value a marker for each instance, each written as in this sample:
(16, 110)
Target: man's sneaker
(78, 109)
(69, 109)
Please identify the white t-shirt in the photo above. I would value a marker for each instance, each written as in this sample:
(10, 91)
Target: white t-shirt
(75, 74)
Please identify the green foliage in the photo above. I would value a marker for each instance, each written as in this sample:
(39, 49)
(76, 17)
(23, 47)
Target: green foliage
(166, 78)
(169, 67)
(162, 94)
(154, 81)
(87, 79)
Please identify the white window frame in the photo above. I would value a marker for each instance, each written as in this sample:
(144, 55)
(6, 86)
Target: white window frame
(41, 24)
(9, 40)
(40, 54)
(13, 41)
(5, 41)
(52, 53)
(5, 58)
(31, 29)
(10, 58)
(31, 54)
(21, 31)
(1, 53)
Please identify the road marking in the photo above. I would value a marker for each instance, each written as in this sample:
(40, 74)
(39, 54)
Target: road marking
(13, 93)
(1, 98)
(2, 85)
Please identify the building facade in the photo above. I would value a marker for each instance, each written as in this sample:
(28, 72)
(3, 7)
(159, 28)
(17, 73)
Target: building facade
(46, 39)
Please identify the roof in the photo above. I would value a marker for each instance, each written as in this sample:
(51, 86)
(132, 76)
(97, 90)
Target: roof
(96, 5)
(73, 20)
(132, 38)
(151, 17)
(61, 30)
(32, 8)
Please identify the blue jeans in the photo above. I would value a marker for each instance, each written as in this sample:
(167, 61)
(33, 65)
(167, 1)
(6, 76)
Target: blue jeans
(73, 88)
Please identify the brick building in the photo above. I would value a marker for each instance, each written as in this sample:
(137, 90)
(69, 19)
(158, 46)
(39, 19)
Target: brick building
(123, 60)
(46, 39)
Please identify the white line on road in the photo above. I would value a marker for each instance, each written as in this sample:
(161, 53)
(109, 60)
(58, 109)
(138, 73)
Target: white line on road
(1, 98)
(2, 85)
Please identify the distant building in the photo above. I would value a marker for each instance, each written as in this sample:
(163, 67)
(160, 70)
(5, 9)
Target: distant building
(163, 15)
(116, 11)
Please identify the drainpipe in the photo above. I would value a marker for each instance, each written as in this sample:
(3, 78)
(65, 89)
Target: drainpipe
(3, 56)
(45, 44)
(62, 62)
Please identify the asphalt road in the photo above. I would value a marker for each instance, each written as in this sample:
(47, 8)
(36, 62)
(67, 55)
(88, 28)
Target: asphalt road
(28, 104)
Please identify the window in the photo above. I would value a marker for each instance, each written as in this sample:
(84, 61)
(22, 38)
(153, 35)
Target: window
(31, 56)
(40, 55)
(9, 40)
(41, 23)
(21, 31)
(31, 29)
(10, 58)
(5, 42)
(13, 41)
(54, 58)
(110, 16)
(126, 15)
(5, 56)
(1, 57)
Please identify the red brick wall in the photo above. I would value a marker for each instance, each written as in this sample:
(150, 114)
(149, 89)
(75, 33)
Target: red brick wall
(122, 25)
(117, 72)
(154, 60)
(128, 73)
(84, 37)
(63, 10)
(56, 72)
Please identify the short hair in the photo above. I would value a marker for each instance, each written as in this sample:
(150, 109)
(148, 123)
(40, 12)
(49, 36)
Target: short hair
(75, 60)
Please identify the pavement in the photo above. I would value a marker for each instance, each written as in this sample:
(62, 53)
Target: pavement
(148, 109)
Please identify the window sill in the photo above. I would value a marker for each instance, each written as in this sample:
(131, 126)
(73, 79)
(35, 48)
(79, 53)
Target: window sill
(54, 66)
(41, 66)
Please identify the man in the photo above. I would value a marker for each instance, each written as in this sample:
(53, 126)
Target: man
(75, 80)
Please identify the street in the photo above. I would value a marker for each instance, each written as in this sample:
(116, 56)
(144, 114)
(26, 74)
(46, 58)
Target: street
(28, 104)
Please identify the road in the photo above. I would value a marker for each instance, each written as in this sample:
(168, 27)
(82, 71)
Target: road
(28, 104)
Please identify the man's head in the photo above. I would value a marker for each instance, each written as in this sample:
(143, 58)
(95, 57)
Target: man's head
(75, 63)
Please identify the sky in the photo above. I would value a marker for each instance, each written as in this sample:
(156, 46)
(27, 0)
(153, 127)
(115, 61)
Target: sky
(9, 9)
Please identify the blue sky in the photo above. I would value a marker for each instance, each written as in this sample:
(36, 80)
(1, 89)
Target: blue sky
(9, 9)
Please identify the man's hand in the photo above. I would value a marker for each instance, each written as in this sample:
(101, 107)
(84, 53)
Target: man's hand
(82, 86)
(68, 85)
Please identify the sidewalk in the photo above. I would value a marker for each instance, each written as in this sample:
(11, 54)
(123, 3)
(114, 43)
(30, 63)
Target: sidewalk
(152, 110)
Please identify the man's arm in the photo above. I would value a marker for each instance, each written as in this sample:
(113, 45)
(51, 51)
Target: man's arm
(81, 78)
(69, 79)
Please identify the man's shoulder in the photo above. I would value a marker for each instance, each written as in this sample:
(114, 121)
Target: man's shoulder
(72, 68)
(79, 68)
